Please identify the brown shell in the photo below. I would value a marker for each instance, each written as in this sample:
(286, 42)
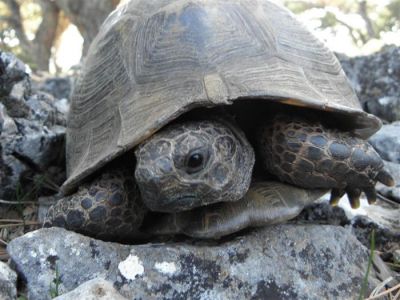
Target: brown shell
(156, 59)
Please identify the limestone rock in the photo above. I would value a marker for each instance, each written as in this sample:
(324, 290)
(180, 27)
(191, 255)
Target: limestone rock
(95, 289)
(8, 282)
(32, 133)
(387, 142)
(7, 124)
(376, 81)
(281, 262)
(383, 217)
(59, 87)
(11, 70)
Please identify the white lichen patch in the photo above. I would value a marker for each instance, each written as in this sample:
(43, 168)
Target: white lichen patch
(75, 251)
(131, 267)
(164, 267)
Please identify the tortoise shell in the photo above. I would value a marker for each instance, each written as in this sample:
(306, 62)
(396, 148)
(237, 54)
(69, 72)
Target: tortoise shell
(154, 60)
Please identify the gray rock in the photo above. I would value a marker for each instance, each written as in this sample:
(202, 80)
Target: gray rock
(45, 109)
(39, 145)
(12, 170)
(12, 70)
(21, 89)
(8, 282)
(62, 106)
(386, 230)
(59, 87)
(16, 108)
(280, 262)
(32, 133)
(376, 81)
(387, 107)
(31, 152)
(7, 124)
(322, 212)
(387, 142)
(95, 289)
(391, 192)
(383, 217)
(15, 85)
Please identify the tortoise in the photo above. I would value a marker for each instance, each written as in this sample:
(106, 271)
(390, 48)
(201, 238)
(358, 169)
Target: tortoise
(204, 117)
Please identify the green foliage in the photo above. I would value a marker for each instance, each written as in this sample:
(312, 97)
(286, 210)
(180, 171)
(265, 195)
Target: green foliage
(389, 19)
(329, 20)
(55, 285)
(370, 260)
(362, 25)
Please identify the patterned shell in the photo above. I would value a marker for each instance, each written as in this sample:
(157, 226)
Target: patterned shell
(156, 59)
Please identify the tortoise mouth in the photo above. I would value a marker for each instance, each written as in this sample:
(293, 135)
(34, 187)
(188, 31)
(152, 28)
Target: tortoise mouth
(178, 204)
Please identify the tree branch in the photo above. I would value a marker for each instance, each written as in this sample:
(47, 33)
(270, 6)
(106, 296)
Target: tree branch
(87, 15)
(46, 33)
(363, 11)
(351, 30)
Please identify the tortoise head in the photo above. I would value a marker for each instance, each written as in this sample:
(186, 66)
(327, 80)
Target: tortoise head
(193, 164)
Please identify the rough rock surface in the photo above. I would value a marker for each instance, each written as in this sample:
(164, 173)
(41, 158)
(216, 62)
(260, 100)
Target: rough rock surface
(385, 237)
(8, 282)
(32, 131)
(383, 217)
(387, 142)
(323, 213)
(11, 70)
(376, 79)
(95, 289)
(59, 87)
(280, 262)
(392, 193)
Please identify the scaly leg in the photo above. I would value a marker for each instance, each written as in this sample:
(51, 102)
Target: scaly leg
(305, 153)
(108, 208)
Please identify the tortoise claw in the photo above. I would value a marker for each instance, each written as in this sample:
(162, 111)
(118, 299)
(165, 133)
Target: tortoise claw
(354, 197)
(354, 193)
(385, 178)
(336, 195)
(370, 193)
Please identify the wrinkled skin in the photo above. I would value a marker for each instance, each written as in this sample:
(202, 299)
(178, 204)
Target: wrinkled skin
(194, 164)
(195, 170)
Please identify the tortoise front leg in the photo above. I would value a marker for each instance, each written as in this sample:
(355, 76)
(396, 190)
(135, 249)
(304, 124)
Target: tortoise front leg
(264, 203)
(306, 153)
(108, 208)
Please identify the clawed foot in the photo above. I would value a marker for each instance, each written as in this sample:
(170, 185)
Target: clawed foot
(354, 193)
(108, 208)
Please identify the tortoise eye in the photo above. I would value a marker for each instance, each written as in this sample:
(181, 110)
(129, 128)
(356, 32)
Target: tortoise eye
(195, 161)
